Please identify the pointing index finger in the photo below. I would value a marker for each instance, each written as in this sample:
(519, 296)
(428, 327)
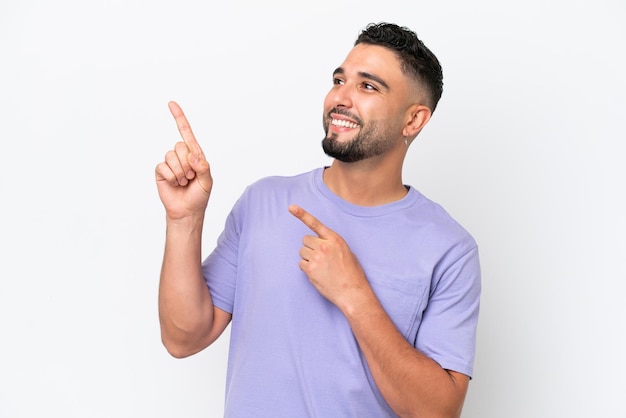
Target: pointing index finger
(184, 127)
(310, 221)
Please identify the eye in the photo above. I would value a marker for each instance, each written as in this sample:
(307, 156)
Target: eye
(337, 81)
(368, 86)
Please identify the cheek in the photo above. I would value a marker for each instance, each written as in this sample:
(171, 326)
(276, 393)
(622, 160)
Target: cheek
(328, 103)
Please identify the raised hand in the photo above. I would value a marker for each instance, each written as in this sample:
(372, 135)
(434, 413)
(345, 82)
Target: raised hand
(184, 178)
(329, 263)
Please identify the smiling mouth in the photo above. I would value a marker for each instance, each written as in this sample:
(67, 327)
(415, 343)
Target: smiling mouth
(344, 123)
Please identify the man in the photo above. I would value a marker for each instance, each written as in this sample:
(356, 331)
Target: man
(349, 293)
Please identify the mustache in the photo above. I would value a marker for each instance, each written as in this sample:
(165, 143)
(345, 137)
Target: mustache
(344, 112)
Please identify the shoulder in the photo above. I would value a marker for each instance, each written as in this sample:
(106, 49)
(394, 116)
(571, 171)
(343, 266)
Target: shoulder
(440, 223)
(282, 181)
(279, 185)
(275, 191)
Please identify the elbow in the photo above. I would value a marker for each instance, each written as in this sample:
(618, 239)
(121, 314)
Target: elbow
(438, 414)
(175, 350)
(183, 339)
(178, 349)
(450, 407)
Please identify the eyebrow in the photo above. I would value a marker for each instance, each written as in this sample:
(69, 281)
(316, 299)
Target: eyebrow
(363, 74)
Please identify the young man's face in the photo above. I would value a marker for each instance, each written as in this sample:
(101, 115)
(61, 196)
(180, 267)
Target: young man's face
(364, 112)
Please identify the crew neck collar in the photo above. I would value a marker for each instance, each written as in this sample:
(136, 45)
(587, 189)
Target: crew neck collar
(363, 211)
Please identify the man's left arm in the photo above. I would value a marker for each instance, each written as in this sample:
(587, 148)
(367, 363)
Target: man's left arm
(413, 384)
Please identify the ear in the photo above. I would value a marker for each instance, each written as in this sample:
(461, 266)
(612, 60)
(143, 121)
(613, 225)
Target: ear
(417, 116)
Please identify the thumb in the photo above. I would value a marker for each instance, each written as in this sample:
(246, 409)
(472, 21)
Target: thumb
(203, 171)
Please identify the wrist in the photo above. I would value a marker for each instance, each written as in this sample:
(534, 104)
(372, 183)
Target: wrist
(189, 221)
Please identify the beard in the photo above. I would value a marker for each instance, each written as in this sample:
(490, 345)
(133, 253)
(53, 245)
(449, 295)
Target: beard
(371, 140)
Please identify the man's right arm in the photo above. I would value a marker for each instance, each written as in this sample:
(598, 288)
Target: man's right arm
(189, 321)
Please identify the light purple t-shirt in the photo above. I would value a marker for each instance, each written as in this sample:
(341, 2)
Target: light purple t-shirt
(292, 352)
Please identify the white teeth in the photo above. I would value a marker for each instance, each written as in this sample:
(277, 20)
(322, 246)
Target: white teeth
(344, 123)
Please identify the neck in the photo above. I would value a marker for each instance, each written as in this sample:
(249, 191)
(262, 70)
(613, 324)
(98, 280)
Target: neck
(365, 183)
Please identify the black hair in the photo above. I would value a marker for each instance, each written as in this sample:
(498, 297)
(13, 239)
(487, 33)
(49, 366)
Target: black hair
(415, 58)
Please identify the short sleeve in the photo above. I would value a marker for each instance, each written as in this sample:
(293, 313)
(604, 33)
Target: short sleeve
(447, 333)
(220, 267)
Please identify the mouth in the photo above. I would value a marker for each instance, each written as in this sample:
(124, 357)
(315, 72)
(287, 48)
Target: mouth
(342, 123)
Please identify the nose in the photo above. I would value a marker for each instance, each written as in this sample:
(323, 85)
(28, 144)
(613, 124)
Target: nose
(340, 96)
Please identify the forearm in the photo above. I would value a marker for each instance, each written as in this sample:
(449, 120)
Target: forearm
(413, 384)
(185, 306)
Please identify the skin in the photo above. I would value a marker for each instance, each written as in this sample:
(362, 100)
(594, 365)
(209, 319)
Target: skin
(189, 322)
(368, 87)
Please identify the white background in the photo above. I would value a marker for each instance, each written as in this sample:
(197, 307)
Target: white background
(526, 150)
